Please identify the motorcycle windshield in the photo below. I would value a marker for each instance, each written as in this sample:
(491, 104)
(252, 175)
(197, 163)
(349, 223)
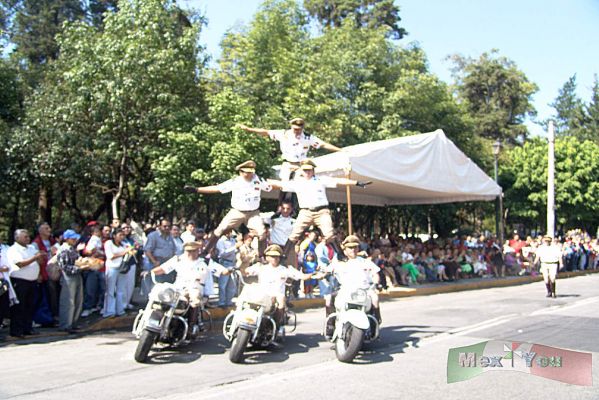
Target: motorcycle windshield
(256, 294)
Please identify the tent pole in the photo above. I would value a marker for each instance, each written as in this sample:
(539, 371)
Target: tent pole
(350, 230)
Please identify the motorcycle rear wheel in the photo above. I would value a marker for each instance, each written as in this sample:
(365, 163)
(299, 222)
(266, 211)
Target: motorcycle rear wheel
(238, 346)
(346, 350)
(144, 345)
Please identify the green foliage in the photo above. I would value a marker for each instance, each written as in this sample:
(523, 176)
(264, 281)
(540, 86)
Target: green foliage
(265, 64)
(575, 118)
(122, 108)
(111, 95)
(11, 95)
(576, 182)
(361, 14)
(569, 109)
(497, 95)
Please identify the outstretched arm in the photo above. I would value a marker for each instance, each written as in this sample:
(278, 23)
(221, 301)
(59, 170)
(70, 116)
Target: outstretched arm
(259, 131)
(329, 147)
(351, 182)
(203, 189)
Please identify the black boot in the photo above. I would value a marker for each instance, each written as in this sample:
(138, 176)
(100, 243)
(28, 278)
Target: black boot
(279, 317)
(376, 311)
(549, 289)
(553, 290)
(194, 328)
(261, 248)
(330, 327)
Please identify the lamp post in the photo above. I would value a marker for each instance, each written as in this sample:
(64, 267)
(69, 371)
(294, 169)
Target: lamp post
(550, 181)
(499, 202)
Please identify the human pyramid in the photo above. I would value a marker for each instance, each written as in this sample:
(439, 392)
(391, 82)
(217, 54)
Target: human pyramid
(297, 174)
(310, 189)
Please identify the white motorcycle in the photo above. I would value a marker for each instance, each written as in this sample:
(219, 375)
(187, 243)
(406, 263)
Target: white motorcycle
(165, 320)
(354, 324)
(252, 322)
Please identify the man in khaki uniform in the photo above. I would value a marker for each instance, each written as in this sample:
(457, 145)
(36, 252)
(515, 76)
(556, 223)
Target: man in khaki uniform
(294, 144)
(245, 203)
(550, 256)
(314, 205)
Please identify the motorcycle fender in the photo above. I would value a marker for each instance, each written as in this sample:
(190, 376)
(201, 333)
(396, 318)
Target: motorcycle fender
(247, 317)
(355, 317)
(154, 322)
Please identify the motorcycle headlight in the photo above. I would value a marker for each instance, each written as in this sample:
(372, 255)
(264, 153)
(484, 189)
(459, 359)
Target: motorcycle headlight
(167, 295)
(359, 296)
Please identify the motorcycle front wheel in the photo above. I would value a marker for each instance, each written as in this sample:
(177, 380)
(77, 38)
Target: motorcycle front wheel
(144, 345)
(347, 348)
(238, 346)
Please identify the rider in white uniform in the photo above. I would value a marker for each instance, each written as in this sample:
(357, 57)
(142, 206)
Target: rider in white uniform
(272, 277)
(356, 272)
(192, 274)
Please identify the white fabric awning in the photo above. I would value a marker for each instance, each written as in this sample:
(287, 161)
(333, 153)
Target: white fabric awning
(420, 169)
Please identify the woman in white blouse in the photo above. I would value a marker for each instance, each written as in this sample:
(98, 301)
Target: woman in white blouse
(115, 249)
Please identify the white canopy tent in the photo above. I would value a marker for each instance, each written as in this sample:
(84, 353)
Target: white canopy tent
(420, 169)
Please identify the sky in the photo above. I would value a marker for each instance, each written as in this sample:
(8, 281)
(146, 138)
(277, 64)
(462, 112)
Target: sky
(549, 40)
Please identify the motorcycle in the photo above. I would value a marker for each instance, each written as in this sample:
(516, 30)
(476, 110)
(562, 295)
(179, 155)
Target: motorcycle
(354, 324)
(165, 320)
(251, 323)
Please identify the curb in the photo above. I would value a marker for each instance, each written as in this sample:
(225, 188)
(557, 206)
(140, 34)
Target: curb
(219, 314)
(300, 304)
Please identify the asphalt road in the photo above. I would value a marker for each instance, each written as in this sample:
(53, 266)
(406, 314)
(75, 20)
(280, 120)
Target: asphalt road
(409, 362)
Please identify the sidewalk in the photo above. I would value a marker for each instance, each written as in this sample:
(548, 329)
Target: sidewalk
(95, 323)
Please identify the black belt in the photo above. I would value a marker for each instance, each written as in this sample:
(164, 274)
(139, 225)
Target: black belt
(315, 209)
(551, 262)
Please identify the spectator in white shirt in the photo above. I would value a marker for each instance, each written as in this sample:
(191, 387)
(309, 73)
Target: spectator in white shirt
(23, 260)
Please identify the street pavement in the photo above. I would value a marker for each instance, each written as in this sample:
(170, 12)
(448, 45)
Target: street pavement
(409, 361)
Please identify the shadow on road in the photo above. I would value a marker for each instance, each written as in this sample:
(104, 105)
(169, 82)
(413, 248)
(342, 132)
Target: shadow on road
(392, 340)
(295, 344)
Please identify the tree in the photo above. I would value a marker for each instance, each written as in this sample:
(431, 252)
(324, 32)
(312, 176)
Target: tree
(110, 96)
(569, 108)
(592, 114)
(266, 62)
(576, 183)
(497, 95)
(98, 8)
(362, 14)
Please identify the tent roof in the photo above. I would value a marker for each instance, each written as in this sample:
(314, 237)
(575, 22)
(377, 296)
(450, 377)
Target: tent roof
(420, 169)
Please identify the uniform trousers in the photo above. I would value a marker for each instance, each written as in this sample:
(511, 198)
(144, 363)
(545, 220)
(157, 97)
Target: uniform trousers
(321, 218)
(235, 218)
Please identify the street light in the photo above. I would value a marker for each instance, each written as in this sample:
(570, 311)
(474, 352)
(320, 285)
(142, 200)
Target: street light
(499, 204)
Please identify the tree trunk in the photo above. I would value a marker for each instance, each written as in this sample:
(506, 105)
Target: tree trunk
(429, 223)
(122, 178)
(44, 204)
(14, 221)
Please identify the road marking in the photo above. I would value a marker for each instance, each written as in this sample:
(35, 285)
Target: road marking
(554, 309)
(465, 330)
(222, 389)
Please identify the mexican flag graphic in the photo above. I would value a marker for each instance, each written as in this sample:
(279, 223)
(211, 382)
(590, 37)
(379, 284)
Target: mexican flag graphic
(562, 365)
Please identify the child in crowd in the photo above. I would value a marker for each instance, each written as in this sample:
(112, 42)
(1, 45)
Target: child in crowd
(309, 267)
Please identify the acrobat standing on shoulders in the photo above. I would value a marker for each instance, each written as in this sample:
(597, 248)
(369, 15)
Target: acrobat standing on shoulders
(314, 205)
(295, 143)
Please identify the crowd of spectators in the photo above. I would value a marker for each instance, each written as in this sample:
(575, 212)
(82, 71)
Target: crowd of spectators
(56, 278)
